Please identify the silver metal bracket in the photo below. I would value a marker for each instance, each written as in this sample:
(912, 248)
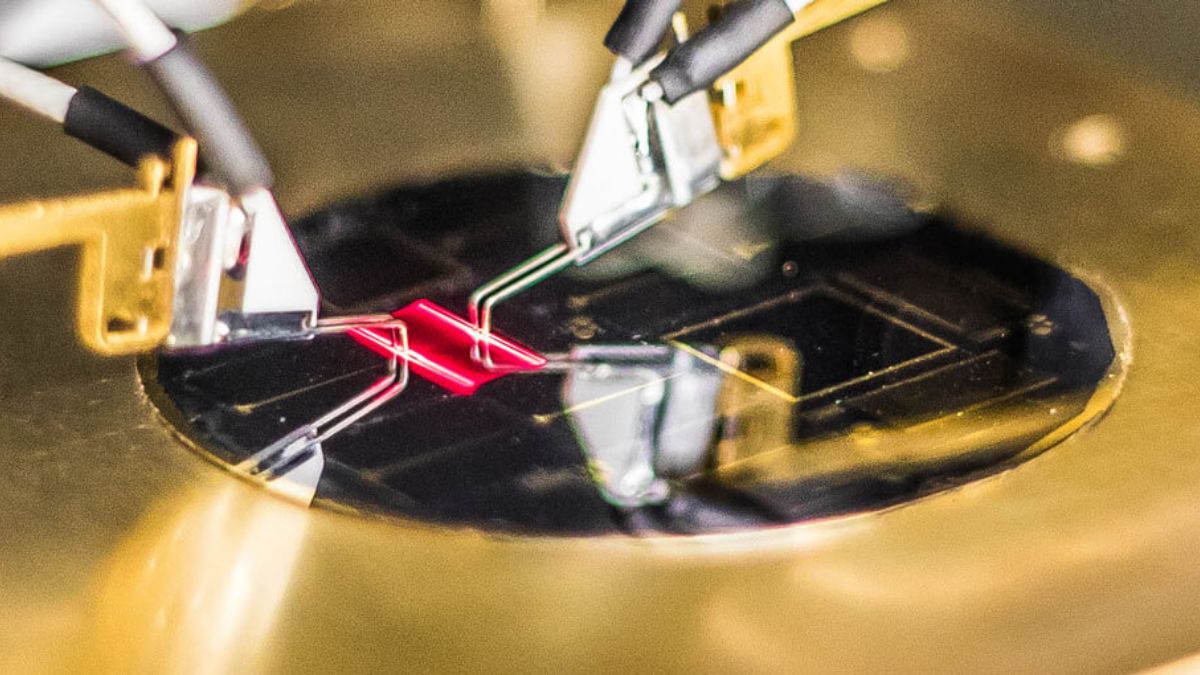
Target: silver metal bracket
(238, 274)
(641, 159)
(642, 414)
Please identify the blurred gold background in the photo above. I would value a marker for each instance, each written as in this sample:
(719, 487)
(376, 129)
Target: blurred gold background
(121, 551)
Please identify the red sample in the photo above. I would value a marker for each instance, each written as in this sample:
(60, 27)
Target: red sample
(440, 346)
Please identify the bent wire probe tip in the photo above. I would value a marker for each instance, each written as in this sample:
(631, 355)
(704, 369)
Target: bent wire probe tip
(288, 454)
(517, 280)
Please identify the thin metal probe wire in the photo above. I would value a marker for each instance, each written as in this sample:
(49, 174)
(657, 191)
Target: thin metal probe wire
(296, 446)
(344, 324)
(519, 279)
(385, 389)
(508, 277)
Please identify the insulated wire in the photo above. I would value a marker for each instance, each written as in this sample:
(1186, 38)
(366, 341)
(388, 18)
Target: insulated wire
(35, 91)
(86, 114)
(145, 34)
(226, 144)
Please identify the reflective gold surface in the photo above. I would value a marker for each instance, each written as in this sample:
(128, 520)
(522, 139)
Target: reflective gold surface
(122, 551)
(761, 420)
(821, 14)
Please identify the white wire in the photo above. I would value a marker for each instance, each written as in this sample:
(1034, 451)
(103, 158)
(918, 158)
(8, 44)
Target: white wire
(40, 93)
(144, 32)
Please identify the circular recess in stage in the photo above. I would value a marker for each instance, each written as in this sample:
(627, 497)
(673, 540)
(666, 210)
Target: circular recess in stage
(783, 350)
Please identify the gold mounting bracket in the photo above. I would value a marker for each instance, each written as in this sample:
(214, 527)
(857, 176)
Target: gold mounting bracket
(127, 243)
(754, 105)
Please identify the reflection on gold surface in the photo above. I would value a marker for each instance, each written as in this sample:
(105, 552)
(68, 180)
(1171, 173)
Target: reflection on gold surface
(756, 419)
(976, 435)
(1096, 140)
(199, 583)
(879, 44)
(980, 433)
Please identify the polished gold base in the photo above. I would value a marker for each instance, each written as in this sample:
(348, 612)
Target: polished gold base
(120, 550)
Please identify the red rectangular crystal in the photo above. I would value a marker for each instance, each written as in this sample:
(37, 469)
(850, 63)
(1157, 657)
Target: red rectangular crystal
(440, 345)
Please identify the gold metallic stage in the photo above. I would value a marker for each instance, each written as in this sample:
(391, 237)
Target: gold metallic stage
(122, 551)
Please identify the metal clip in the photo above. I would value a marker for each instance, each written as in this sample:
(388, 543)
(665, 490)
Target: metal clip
(641, 158)
(239, 274)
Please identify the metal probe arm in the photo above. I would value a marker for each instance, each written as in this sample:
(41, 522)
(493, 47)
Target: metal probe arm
(656, 142)
(652, 145)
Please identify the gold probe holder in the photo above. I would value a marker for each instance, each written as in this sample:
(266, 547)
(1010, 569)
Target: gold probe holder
(754, 105)
(127, 243)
